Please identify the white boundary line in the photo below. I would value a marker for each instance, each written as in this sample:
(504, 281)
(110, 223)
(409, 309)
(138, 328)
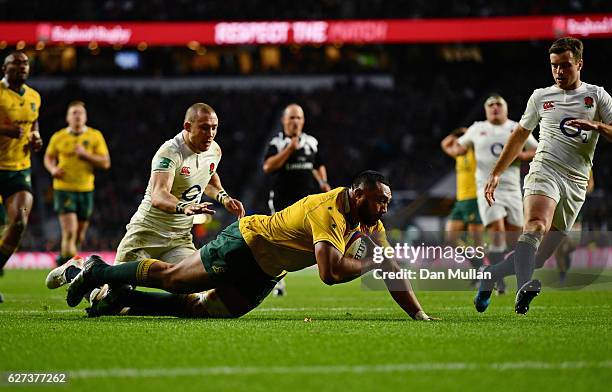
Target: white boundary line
(333, 369)
(389, 309)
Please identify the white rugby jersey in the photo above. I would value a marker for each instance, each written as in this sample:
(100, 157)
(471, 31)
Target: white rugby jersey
(488, 141)
(191, 171)
(567, 149)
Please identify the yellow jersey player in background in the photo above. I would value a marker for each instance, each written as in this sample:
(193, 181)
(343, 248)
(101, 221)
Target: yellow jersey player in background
(71, 157)
(19, 107)
(464, 216)
(240, 267)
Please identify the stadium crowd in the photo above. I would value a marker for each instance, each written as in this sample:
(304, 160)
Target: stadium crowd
(397, 128)
(92, 10)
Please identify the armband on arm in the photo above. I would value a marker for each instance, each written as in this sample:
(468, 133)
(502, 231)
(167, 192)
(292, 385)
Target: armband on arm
(180, 207)
(221, 196)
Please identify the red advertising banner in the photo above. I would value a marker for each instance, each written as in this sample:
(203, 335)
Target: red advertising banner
(310, 32)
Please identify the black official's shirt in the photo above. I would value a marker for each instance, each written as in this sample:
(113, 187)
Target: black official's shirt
(294, 180)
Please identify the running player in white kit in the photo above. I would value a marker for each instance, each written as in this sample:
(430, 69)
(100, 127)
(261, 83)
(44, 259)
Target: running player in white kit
(488, 138)
(571, 115)
(182, 170)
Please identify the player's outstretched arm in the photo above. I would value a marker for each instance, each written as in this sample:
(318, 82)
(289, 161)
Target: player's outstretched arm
(604, 129)
(215, 191)
(334, 268)
(511, 150)
(161, 184)
(402, 293)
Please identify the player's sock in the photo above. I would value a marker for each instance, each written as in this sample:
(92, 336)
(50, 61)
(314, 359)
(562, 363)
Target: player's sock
(503, 269)
(476, 262)
(524, 257)
(134, 273)
(496, 257)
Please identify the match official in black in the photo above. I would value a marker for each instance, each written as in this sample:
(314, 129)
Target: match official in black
(294, 160)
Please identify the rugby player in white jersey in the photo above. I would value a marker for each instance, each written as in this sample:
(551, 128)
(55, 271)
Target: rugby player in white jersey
(182, 170)
(504, 219)
(571, 114)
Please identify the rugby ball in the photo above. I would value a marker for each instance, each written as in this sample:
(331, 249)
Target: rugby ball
(355, 245)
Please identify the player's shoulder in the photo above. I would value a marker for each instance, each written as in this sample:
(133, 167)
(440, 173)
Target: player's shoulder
(594, 89)
(171, 147)
(311, 140)
(539, 93)
(477, 125)
(510, 124)
(62, 132)
(95, 132)
(325, 200)
(278, 140)
(59, 135)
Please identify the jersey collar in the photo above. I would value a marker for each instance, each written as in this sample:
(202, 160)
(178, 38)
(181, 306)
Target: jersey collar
(70, 131)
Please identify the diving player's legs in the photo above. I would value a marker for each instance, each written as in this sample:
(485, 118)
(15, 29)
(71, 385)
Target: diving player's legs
(188, 276)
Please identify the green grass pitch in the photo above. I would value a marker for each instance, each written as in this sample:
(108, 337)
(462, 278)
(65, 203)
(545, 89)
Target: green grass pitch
(355, 340)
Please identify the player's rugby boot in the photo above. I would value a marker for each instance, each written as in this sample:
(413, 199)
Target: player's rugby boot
(105, 301)
(64, 273)
(483, 296)
(83, 282)
(525, 295)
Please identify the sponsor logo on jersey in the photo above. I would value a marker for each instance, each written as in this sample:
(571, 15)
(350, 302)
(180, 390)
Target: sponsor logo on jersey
(33, 106)
(211, 168)
(163, 163)
(548, 105)
(185, 171)
(496, 149)
(192, 193)
(299, 166)
(588, 102)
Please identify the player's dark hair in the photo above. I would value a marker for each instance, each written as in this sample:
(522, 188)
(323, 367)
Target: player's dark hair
(13, 54)
(564, 44)
(368, 180)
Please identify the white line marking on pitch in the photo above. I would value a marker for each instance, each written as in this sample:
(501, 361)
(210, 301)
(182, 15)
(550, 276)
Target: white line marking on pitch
(326, 369)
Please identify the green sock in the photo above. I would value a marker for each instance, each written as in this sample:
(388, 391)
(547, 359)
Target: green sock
(134, 273)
